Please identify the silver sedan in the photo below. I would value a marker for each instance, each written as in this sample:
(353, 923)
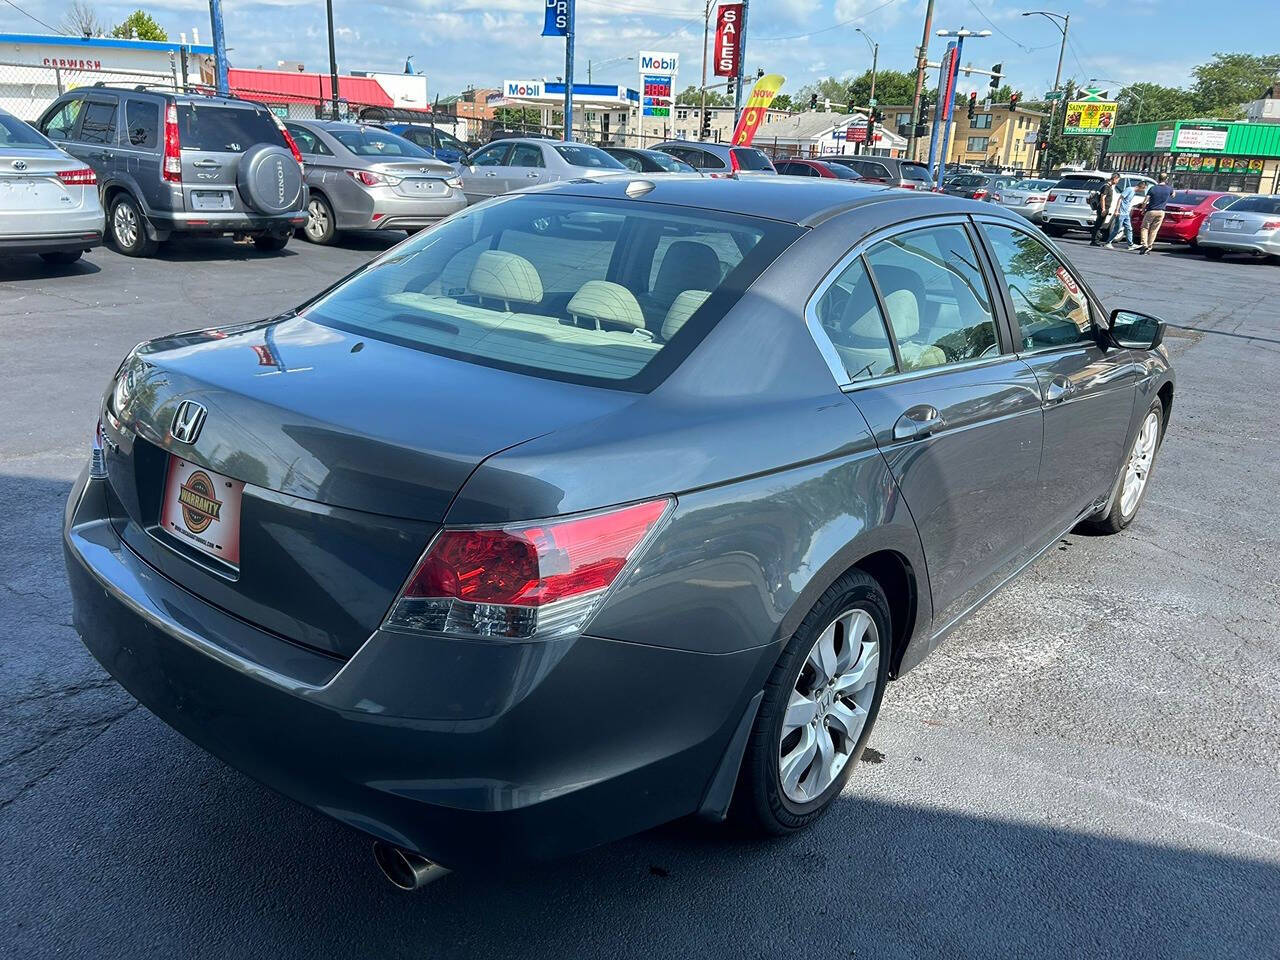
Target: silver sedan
(506, 165)
(364, 178)
(49, 201)
(1250, 225)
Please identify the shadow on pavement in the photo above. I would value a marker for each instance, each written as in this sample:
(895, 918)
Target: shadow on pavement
(31, 267)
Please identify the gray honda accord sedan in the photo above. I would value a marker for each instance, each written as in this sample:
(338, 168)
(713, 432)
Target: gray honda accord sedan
(602, 504)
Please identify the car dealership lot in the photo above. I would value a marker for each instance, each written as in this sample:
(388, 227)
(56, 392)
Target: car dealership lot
(1089, 767)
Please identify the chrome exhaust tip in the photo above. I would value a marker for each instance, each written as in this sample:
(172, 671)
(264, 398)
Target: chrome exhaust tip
(406, 869)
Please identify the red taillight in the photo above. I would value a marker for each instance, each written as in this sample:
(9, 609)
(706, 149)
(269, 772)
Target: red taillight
(1271, 225)
(907, 185)
(78, 178)
(524, 580)
(370, 179)
(979, 194)
(288, 139)
(172, 169)
(1053, 198)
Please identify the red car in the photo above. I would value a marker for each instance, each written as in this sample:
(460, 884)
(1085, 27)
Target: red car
(799, 167)
(1184, 213)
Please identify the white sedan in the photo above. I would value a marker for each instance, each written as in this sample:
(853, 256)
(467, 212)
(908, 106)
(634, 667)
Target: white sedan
(49, 202)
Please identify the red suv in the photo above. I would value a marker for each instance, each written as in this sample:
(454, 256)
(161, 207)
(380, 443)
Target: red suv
(1184, 213)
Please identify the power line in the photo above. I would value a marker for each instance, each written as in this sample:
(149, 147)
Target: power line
(1012, 39)
(834, 26)
(32, 16)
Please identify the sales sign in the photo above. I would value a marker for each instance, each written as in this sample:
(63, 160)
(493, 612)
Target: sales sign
(728, 48)
(1201, 138)
(556, 18)
(1090, 118)
(1164, 139)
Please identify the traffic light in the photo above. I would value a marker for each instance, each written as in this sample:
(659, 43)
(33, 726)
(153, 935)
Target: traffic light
(813, 101)
(730, 85)
(924, 112)
(706, 124)
(759, 72)
(973, 104)
(1013, 101)
(996, 70)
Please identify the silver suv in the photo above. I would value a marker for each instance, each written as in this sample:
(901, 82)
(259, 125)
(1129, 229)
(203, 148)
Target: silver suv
(171, 163)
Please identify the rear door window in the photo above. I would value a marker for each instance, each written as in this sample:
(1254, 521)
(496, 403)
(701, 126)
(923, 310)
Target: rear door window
(99, 123)
(937, 300)
(851, 318)
(216, 128)
(142, 123)
(916, 172)
(1221, 203)
(1049, 302)
(526, 155)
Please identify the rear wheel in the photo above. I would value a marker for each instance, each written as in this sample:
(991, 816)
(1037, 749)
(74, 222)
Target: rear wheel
(320, 227)
(818, 709)
(62, 258)
(1131, 485)
(272, 241)
(128, 228)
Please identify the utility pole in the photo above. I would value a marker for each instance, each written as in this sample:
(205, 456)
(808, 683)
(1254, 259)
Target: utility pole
(219, 47)
(333, 63)
(875, 57)
(706, 32)
(742, 67)
(568, 74)
(921, 66)
(1063, 23)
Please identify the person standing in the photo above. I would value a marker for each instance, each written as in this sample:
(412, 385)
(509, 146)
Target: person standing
(1157, 199)
(1108, 200)
(1123, 220)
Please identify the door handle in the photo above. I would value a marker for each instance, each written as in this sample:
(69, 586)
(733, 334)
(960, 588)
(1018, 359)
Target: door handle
(490, 174)
(1058, 389)
(918, 423)
(207, 164)
(531, 176)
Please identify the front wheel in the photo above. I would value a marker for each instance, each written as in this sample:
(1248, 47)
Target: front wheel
(1132, 483)
(1055, 231)
(818, 709)
(1213, 253)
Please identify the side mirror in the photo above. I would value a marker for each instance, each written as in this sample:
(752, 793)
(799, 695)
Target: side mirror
(1138, 331)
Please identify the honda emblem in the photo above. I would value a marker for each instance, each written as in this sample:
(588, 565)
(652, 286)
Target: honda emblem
(187, 422)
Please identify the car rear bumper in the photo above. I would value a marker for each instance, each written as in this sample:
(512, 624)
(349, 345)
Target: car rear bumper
(53, 242)
(1267, 243)
(222, 222)
(392, 212)
(468, 752)
(1032, 212)
(1058, 217)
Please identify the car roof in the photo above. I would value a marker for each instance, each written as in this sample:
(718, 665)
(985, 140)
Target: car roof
(157, 90)
(805, 202)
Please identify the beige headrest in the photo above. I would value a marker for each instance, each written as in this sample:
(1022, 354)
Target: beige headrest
(904, 311)
(606, 302)
(682, 308)
(505, 276)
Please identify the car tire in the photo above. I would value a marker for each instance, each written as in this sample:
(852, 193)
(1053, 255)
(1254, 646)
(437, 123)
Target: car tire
(853, 608)
(1213, 253)
(320, 227)
(128, 228)
(62, 258)
(1140, 461)
(271, 241)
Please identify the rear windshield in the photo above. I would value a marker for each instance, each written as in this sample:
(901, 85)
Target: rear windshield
(969, 180)
(1266, 205)
(371, 142)
(1191, 198)
(1080, 183)
(581, 155)
(15, 133)
(611, 293)
(1033, 184)
(842, 172)
(915, 171)
(751, 159)
(208, 126)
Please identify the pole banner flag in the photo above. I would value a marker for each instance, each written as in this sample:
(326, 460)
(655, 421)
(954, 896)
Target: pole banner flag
(757, 105)
(556, 18)
(728, 47)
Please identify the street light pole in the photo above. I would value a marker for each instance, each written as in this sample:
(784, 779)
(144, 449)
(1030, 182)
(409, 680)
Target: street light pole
(333, 62)
(875, 56)
(1063, 26)
(946, 127)
(922, 62)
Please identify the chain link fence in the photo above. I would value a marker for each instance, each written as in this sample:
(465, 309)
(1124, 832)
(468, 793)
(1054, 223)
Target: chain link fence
(26, 90)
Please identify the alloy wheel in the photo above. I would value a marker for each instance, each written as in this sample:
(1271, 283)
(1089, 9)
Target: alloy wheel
(829, 705)
(1139, 466)
(124, 223)
(317, 220)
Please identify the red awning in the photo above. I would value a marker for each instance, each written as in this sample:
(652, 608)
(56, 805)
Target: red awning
(278, 86)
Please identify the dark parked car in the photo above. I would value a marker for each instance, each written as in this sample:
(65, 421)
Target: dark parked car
(976, 186)
(720, 160)
(648, 161)
(606, 504)
(905, 174)
(799, 167)
(188, 163)
(438, 143)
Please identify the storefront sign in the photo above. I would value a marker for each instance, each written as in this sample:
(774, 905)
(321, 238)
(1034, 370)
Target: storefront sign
(728, 27)
(756, 107)
(1164, 139)
(522, 89)
(1201, 138)
(657, 82)
(556, 18)
(1089, 118)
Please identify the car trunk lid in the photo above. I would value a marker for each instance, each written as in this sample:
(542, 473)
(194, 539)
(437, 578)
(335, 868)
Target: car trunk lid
(341, 455)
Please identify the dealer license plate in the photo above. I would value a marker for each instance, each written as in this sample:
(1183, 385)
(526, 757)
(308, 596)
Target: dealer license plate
(202, 508)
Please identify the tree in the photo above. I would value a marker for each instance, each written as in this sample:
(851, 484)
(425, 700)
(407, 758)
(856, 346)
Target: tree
(1002, 95)
(894, 87)
(82, 20)
(517, 118)
(1149, 102)
(1230, 80)
(783, 101)
(140, 25)
(828, 88)
(691, 96)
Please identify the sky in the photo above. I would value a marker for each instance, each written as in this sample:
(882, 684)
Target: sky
(459, 43)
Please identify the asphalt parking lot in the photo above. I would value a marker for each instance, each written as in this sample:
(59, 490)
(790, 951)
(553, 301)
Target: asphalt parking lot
(1090, 767)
